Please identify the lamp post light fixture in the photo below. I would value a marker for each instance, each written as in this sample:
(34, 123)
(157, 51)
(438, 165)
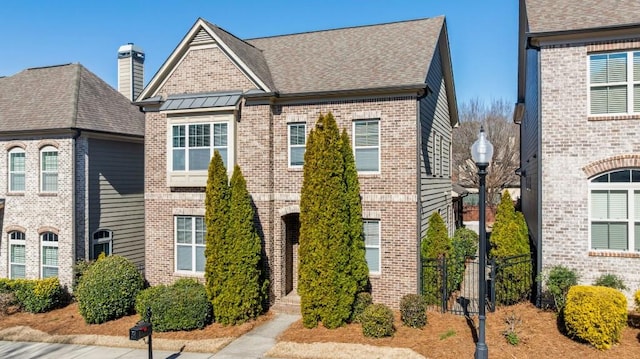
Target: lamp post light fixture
(481, 152)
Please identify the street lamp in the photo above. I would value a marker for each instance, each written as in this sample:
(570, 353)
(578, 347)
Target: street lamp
(481, 152)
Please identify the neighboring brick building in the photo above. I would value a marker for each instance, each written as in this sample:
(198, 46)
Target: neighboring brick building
(579, 112)
(71, 172)
(256, 101)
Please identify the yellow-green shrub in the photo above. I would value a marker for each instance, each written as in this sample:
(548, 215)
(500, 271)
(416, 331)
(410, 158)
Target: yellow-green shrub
(596, 315)
(636, 298)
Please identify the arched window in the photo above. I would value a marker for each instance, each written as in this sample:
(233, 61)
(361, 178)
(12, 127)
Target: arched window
(615, 211)
(17, 254)
(49, 169)
(16, 169)
(49, 263)
(102, 243)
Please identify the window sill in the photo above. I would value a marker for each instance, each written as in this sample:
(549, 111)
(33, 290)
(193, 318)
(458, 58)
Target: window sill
(618, 117)
(295, 169)
(17, 194)
(48, 194)
(375, 275)
(368, 174)
(189, 274)
(614, 254)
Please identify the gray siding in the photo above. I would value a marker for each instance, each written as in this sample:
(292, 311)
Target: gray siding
(116, 195)
(435, 132)
(529, 143)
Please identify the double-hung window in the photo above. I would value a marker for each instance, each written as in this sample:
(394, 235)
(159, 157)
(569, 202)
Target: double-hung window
(190, 243)
(614, 83)
(16, 169)
(615, 211)
(297, 144)
(49, 169)
(372, 244)
(17, 255)
(102, 243)
(49, 244)
(366, 145)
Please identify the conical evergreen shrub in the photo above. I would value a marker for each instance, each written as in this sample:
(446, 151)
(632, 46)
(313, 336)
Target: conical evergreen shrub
(435, 246)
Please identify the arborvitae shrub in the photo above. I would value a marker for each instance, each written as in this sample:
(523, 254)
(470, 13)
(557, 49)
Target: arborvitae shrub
(108, 289)
(435, 245)
(611, 281)
(413, 311)
(38, 295)
(181, 306)
(596, 315)
(377, 321)
(363, 300)
(557, 282)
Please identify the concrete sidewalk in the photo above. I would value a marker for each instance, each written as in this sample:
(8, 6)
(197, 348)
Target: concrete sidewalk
(251, 345)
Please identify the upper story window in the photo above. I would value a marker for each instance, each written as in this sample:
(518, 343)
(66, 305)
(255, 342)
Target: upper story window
(615, 211)
(192, 142)
(16, 169)
(297, 144)
(614, 83)
(49, 169)
(17, 255)
(49, 244)
(190, 235)
(366, 145)
(102, 243)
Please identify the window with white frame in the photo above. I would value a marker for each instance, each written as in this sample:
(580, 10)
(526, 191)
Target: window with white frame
(189, 240)
(16, 169)
(17, 254)
(49, 169)
(615, 211)
(614, 83)
(297, 144)
(49, 254)
(372, 244)
(102, 243)
(366, 145)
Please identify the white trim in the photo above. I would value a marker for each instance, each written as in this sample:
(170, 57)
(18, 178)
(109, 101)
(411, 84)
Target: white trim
(16, 242)
(629, 83)
(290, 146)
(193, 245)
(42, 172)
(379, 146)
(379, 247)
(49, 244)
(9, 172)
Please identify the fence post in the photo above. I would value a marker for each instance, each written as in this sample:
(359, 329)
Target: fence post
(444, 284)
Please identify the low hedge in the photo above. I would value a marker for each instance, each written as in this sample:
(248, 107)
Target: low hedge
(35, 295)
(596, 315)
(636, 298)
(181, 306)
(377, 321)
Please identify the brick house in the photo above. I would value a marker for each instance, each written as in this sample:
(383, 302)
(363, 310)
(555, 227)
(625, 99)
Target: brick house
(71, 169)
(390, 86)
(579, 114)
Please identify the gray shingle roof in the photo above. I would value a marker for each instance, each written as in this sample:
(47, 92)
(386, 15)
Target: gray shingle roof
(365, 57)
(65, 96)
(570, 15)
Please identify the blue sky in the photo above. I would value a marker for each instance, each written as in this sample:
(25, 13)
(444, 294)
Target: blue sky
(482, 33)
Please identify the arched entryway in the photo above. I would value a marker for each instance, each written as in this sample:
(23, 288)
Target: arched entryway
(291, 233)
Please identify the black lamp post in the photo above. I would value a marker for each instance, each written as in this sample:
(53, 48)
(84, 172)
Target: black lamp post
(481, 151)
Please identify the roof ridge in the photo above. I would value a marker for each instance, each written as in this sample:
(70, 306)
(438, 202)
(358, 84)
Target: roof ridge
(49, 66)
(76, 96)
(230, 34)
(344, 28)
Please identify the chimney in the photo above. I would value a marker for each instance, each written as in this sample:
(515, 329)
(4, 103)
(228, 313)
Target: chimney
(130, 71)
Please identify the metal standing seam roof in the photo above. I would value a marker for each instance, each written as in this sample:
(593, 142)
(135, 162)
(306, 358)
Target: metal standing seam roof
(204, 100)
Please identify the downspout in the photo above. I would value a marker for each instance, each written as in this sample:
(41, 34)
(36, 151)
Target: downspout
(73, 193)
(539, 181)
(421, 94)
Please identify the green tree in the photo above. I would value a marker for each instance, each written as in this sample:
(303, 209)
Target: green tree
(216, 220)
(509, 238)
(244, 290)
(435, 247)
(328, 271)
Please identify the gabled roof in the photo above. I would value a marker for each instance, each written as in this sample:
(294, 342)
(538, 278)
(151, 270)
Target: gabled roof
(392, 55)
(547, 16)
(65, 97)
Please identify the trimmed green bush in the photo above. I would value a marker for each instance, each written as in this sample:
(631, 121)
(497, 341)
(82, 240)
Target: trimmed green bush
(413, 311)
(38, 295)
(377, 321)
(435, 245)
(363, 300)
(108, 289)
(464, 245)
(611, 281)
(79, 268)
(596, 315)
(558, 281)
(467, 240)
(181, 306)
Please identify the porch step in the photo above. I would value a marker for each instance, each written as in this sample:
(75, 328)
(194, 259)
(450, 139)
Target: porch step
(289, 304)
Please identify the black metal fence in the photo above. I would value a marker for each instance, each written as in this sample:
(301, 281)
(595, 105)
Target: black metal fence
(452, 286)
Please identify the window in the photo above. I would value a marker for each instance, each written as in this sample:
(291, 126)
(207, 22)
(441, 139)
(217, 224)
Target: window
(615, 211)
(17, 257)
(49, 169)
(297, 144)
(366, 145)
(190, 236)
(372, 244)
(102, 243)
(49, 242)
(194, 144)
(16, 169)
(614, 83)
